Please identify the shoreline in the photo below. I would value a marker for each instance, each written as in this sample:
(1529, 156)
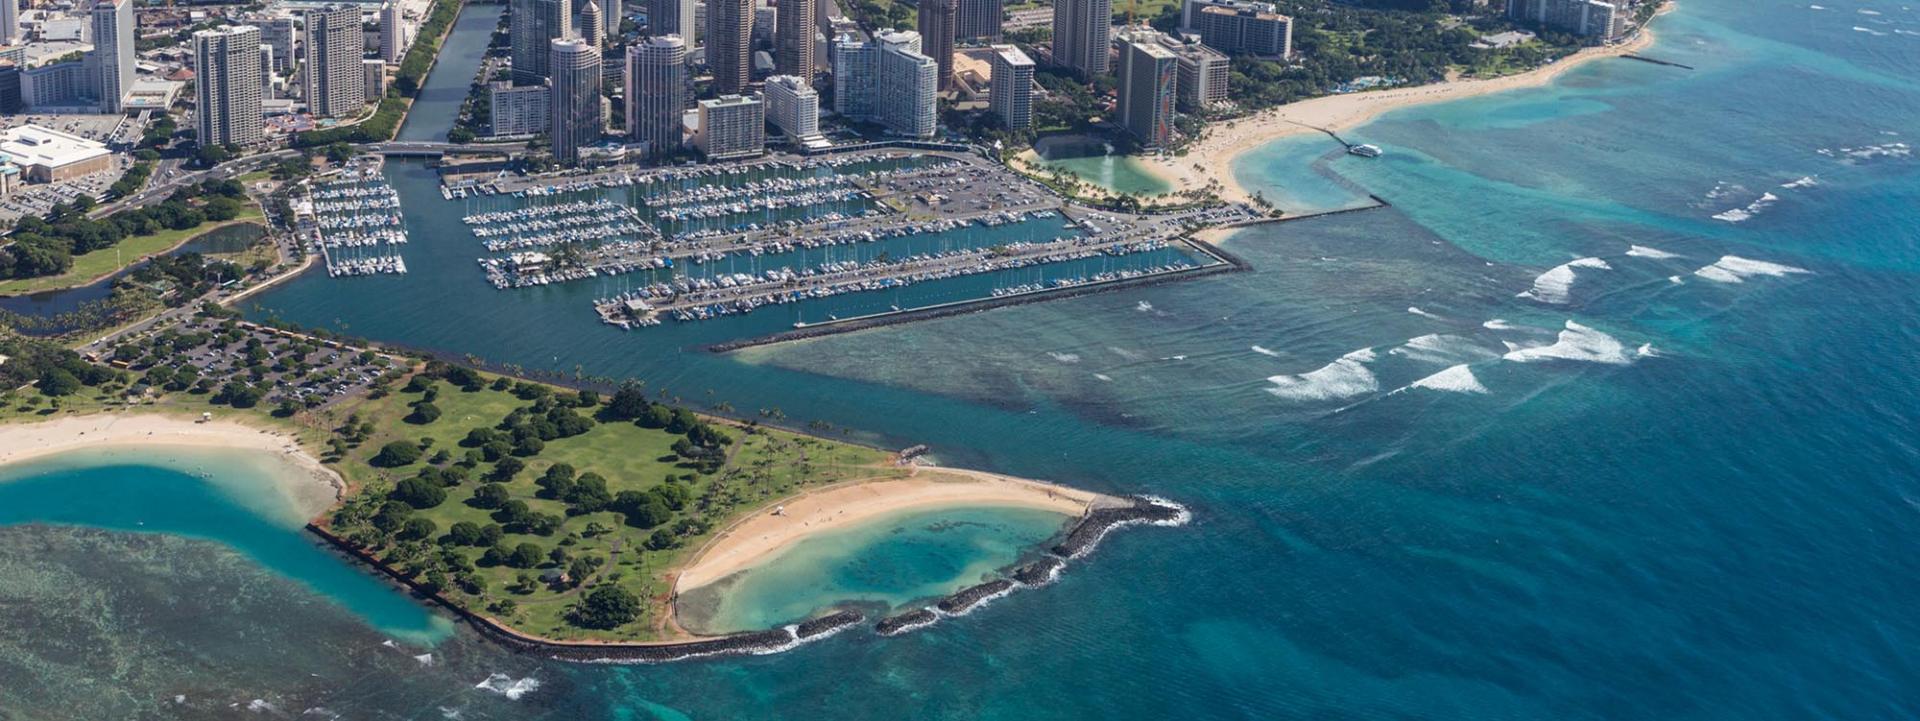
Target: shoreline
(1224, 142)
(762, 535)
(311, 487)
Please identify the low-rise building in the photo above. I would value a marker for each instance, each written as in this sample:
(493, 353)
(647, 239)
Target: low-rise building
(46, 155)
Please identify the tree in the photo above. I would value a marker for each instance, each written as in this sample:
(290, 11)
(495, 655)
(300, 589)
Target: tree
(58, 382)
(525, 555)
(579, 570)
(662, 540)
(423, 413)
(420, 492)
(608, 606)
(464, 533)
(491, 495)
(644, 510)
(628, 402)
(507, 468)
(396, 454)
(418, 528)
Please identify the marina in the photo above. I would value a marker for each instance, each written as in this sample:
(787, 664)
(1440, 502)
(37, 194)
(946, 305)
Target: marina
(352, 219)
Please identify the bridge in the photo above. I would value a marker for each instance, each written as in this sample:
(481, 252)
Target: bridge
(423, 149)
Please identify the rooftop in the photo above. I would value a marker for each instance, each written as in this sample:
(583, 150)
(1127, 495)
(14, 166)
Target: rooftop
(36, 145)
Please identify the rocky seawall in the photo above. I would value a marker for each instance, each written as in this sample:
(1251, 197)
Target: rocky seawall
(1076, 544)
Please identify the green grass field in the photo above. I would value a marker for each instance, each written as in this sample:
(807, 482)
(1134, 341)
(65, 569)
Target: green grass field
(88, 267)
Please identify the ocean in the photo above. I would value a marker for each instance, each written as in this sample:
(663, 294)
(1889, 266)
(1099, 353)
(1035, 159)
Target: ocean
(1612, 415)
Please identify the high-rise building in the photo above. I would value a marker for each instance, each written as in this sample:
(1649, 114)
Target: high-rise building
(793, 107)
(672, 17)
(518, 109)
(980, 20)
(937, 20)
(1603, 19)
(574, 68)
(1082, 31)
(731, 126)
(657, 80)
(393, 32)
(729, 44)
(887, 81)
(226, 82)
(613, 17)
(793, 48)
(113, 45)
(54, 84)
(374, 70)
(1203, 74)
(12, 96)
(1149, 84)
(278, 33)
(9, 21)
(266, 71)
(533, 28)
(1011, 95)
(1239, 26)
(593, 27)
(336, 81)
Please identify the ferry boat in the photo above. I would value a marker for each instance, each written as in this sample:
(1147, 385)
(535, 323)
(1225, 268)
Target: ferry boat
(1365, 151)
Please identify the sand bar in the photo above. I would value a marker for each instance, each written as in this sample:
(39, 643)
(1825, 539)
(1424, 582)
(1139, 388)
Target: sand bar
(759, 536)
(1211, 159)
(313, 489)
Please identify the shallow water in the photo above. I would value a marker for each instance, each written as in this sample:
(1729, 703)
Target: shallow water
(1719, 526)
(885, 563)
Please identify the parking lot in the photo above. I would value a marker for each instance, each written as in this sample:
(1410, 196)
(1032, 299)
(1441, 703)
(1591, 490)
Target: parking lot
(205, 355)
(39, 199)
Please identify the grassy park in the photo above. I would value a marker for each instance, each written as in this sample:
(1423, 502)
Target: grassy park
(91, 266)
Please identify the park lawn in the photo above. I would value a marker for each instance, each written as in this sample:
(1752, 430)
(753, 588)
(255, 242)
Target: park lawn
(89, 267)
(764, 465)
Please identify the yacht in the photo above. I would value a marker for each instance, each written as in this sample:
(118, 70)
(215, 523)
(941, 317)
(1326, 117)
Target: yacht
(1365, 151)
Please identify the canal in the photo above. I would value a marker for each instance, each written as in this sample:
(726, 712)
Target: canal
(438, 105)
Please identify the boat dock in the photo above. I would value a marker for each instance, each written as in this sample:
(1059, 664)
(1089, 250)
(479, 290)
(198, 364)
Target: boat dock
(352, 219)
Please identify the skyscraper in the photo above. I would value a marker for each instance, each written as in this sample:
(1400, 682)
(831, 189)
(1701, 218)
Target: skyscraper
(731, 126)
(1011, 96)
(671, 17)
(336, 82)
(532, 30)
(393, 32)
(793, 107)
(656, 92)
(729, 44)
(593, 28)
(937, 19)
(1239, 26)
(1149, 83)
(612, 18)
(278, 32)
(980, 20)
(227, 87)
(887, 81)
(793, 49)
(1081, 35)
(575, 77)
(113, 52)
(9, 21)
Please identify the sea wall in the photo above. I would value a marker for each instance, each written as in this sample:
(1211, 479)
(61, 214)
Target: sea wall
(1077, 543)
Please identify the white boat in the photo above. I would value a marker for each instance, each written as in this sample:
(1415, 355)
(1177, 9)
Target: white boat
(1365, 151)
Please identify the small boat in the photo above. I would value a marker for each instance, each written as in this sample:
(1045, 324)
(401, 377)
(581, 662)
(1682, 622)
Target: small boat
(1365, 151)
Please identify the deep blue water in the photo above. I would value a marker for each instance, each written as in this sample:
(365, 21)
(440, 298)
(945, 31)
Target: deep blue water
(1719, 526)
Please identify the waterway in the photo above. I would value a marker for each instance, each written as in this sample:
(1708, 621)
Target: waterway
(438, 104)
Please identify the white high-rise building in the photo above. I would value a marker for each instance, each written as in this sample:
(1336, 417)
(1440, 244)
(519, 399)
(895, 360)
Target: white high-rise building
(593, 27)
(613, 18)
(266, 71)
(113, 45)
(227, 85)
(9, 22)
(731, 126)
(1011, 95)
(518, 109)
(657, 90)
(393, 33)
(279, 33)
(335, 80)
(673, 17)
(575, 79)
(1081, 35)
(793, 107)
(887, 81)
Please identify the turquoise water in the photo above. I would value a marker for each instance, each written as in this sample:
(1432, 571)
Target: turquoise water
(1090, 160)
(1720, 527)
(218, 495)
(890, 561)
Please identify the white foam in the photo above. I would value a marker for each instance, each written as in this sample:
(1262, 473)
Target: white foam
(1414, 309)
(1864, 11)
(1180, 357)
(425, 659)
(1265, 351)
(507, 686)
(1554, 285)
(261, 706)
(984, 600)
(1455, 379)
(1442, 349)
(389, 643)
(1104, 377)
(1641, 251)
(1065, 357)
(1575, 343)
(1646, 350)
(1343, 378)
(933, 619)
(451, 714)
(1676, 280)
(1815, 7)
(1735, 269)
(1804, 182)
(1499, 324)
(1144, 307)
(1127, 354)
(1869, 31)
(1737, 215)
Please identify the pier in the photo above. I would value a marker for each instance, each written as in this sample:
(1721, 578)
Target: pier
(352, 220)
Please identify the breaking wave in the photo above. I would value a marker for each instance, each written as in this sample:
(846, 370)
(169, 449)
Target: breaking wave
(1265, 351)
(507, 686)
(1442, 349)
(1064, 357)
(1804, 182)
(1414, 309)
(1343, 378)
(1641, 251)
(1735, 269)
(1737, 215)
(1554, 285)
(1576, 343)
(1455, 379)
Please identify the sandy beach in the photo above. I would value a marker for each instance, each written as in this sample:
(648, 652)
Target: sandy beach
(313, 489)
(755, 538)
(1210, 160)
